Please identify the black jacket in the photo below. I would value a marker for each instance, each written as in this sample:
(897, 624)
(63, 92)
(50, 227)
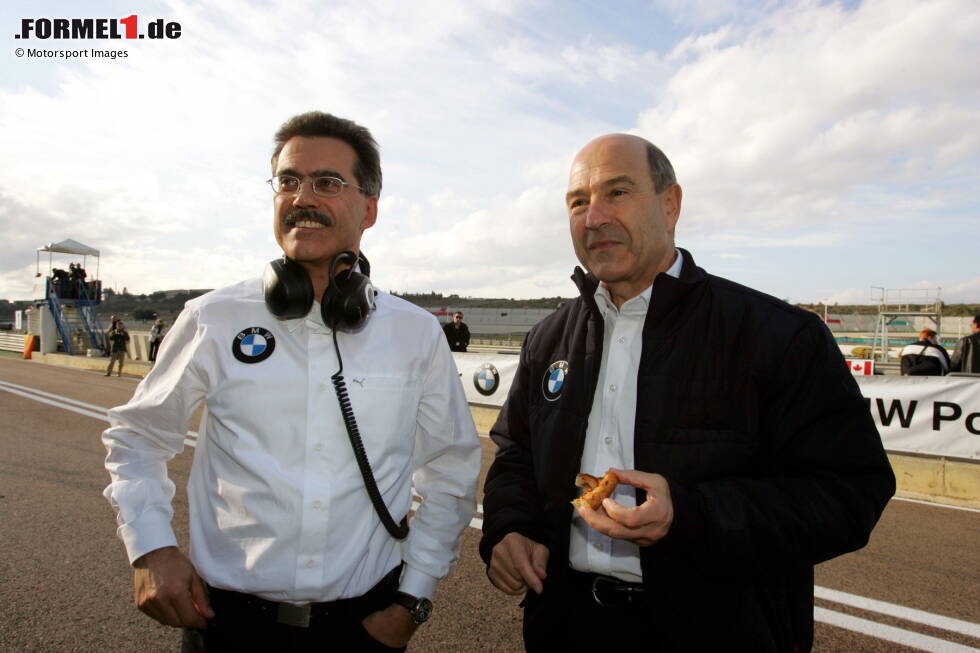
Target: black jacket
(746, 406)
(916, 359)
(458, 337)
(966, 358)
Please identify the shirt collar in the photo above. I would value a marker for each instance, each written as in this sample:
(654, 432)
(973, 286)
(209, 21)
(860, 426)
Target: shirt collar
(312, 321)
(641, 302)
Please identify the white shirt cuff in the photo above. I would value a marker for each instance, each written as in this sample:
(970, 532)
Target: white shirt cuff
(148, 533)
(418, 583)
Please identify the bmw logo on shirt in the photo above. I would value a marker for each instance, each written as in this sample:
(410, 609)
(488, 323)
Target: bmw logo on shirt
(253, 345)
(486, 379)
(554, 380)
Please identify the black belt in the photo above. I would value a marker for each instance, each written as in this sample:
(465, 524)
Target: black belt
(227, 603)
(607, 591)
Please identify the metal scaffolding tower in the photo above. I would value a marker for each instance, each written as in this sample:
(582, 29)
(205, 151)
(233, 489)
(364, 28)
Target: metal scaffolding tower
(895, 304)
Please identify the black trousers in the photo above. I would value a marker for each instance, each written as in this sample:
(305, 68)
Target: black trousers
(244, 623)
(568, 616)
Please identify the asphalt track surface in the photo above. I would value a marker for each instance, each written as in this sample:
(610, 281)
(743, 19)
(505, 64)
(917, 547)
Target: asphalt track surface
(65, 585)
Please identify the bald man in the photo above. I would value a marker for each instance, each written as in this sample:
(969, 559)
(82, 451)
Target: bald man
(742, 446)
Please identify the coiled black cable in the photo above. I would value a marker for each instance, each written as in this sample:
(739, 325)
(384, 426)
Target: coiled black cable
(397, 531)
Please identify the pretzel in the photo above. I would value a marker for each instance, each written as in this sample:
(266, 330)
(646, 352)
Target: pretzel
(596, 489)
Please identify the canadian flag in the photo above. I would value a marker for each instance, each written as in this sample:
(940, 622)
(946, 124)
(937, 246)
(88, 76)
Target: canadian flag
(861, 367)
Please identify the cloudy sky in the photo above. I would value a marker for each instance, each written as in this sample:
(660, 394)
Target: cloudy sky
(824, 148)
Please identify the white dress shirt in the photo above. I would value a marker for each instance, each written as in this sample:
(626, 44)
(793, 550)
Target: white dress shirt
(277, 503)
(609, 437)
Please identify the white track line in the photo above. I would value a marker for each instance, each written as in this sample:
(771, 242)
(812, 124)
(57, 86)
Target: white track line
(893, 610)
(73, 405)
(865, 626)
(60, 398)
(889, 633)
(51, 402)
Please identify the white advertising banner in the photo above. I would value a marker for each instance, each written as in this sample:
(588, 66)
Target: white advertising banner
(934, 415)
(486, 377)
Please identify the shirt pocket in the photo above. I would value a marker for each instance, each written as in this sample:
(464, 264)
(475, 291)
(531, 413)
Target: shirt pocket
(386, 410)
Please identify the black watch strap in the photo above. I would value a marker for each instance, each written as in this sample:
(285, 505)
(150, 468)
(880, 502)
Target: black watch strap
(420, 609)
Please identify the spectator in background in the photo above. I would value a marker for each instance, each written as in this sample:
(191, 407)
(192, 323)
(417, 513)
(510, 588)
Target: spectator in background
(457, 333)
(118, 341)
(965, 358)
(76, 278)
(60, 282)
(156, 337)
(72, 282)
(112, 325)
(925, 357)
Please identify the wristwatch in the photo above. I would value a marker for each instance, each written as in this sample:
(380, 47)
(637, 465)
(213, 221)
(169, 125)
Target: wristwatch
(420, 609)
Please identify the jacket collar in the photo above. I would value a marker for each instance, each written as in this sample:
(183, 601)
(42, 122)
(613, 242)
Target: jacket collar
(667, 290)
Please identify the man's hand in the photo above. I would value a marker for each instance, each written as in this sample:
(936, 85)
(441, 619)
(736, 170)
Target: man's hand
(518, 563)
(642, 525)
(167, 588)
(392, 626)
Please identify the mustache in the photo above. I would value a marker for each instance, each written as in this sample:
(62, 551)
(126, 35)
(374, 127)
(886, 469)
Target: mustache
(298, 215)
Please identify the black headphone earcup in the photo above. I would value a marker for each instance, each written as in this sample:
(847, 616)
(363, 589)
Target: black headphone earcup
(288, 290)
(349, 298)
(348, 301)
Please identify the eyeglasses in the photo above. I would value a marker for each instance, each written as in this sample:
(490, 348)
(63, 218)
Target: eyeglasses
(322, 186)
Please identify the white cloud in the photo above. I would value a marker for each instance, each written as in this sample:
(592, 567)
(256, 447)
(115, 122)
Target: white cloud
(789, 122)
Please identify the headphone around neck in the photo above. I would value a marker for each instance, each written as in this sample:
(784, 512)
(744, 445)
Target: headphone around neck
(346, 303)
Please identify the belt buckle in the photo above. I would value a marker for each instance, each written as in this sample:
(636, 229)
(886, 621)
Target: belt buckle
(294, 615)
(595, 591)
(625, 599)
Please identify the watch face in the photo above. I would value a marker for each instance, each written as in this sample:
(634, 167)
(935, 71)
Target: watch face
(422, 611)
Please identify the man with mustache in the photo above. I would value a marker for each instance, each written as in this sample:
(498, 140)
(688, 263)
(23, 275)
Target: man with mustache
(294, 541)
(743, 449)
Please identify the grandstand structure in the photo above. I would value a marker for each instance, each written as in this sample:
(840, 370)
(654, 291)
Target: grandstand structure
(67, 305)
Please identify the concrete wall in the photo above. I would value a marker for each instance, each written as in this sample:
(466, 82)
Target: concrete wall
(131, 367)
(496, 320)
(941, 480)
(952, 327)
